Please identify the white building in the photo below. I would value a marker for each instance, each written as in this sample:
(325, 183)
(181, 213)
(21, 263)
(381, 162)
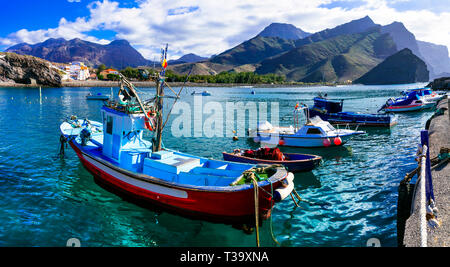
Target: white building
(75, 71)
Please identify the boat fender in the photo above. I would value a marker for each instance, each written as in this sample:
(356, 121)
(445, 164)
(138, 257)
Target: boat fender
(337, 141)
(281, 142)
(281, 193)
(326, 142)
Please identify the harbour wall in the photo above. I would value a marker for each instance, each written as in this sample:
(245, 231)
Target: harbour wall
(439, 137)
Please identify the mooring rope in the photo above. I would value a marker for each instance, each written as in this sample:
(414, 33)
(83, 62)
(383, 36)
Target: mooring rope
(271, 212)
(255, 187)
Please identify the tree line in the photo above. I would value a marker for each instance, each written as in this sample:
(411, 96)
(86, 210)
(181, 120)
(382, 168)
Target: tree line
(171, 76)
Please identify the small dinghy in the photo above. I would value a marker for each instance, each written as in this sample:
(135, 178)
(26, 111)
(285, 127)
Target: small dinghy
(98, 96)
(292, 161)
(411, 102)
(315, 133)
(204, 93)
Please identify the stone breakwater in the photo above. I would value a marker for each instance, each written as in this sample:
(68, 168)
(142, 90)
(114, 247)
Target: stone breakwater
(440, 84)
(439, 136)
(27, 71)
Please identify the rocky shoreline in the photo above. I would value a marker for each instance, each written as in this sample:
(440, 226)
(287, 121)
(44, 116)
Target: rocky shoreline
(27, 70)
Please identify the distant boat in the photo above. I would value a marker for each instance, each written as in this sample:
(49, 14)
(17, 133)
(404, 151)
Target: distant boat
(425, 93)
(98, 96)
(293, 162)
(253, 92)
(331, 111)
(204, 93)
(315, 133)
(411, 102)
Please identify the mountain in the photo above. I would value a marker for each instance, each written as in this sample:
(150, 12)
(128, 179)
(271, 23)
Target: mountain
(188, 58)
(354, 26)
(284, 31)
(118, 54)
(270, 41)
(342, 58)
(402, 37)
(401, 68)
(254, 50)
(436, 55)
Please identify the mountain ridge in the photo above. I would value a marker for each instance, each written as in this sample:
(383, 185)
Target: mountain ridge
(118, 53)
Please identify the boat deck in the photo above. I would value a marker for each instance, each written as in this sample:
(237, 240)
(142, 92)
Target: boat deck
(172, 166)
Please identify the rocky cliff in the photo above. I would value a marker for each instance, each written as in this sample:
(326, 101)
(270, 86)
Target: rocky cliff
(28, 70)
(401, 68)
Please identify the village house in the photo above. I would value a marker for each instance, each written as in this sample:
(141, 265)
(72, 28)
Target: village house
(108, 71)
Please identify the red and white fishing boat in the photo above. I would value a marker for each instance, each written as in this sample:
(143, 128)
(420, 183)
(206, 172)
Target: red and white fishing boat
(115, 152)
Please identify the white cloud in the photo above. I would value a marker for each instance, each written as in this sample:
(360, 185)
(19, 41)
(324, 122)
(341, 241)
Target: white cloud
(209, 27)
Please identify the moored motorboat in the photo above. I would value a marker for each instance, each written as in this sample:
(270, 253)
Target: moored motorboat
(411, 102)
(116, 154)
(294, 162)
(315, 133)
(331, 111)
(204, 93)
(425, 93)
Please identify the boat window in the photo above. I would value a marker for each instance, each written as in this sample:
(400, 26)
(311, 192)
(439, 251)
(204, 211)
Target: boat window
(109, 125)
(313, 131)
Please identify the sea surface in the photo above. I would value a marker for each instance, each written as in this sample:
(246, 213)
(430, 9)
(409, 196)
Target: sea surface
(46, 200)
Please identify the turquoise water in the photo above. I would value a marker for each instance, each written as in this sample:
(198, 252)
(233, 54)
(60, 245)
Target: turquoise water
(46, 200)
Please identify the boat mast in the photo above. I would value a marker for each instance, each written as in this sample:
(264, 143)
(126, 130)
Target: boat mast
(159, 100)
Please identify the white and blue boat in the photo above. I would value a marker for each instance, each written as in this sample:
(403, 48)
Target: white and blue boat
(425, 93)
(314, 133)
(411, 102)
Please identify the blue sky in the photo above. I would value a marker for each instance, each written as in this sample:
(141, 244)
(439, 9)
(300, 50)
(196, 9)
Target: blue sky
(205, 27)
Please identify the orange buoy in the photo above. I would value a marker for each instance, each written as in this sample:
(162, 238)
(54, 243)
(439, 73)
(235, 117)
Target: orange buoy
(281, 142)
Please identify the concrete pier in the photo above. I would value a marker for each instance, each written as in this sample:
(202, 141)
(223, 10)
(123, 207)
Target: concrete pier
(439, 134)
